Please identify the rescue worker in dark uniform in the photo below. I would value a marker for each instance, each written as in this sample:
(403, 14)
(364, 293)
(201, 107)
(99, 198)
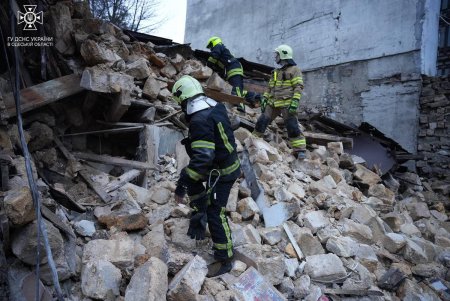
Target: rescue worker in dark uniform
(213, 159)
(282, 97)
(227, 66)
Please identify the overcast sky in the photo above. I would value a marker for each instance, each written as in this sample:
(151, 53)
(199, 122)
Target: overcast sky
(175, 13)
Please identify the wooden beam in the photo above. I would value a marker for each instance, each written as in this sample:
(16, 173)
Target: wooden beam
(109, 131)
(77, 167)
(120, 104)
(113, 161)
(223, 97)
(122, 180)
(43, 94)
(323, 139)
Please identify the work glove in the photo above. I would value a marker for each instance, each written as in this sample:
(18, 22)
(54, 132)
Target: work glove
(293, 106)
(187, 145)
(263, 104)
(197, 226)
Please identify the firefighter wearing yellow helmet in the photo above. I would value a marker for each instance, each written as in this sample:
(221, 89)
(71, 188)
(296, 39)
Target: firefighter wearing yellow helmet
(213, 159)
(227, 66)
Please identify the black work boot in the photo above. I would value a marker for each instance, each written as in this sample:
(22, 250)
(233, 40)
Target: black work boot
(219, 268)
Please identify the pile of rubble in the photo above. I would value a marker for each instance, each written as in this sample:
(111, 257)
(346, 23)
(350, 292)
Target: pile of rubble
(116, 232)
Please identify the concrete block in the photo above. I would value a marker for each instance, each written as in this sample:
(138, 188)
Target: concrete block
(324, 267)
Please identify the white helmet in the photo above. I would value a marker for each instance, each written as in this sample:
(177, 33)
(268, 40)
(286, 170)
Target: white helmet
(284, 51)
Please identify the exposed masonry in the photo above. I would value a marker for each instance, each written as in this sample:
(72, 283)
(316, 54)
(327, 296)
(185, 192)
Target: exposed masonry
(434, 132)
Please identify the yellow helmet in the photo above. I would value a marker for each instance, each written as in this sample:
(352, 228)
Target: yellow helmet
(186, 87)
(213, 41)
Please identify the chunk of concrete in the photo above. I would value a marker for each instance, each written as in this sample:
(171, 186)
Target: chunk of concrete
(100, 279)
(324, 267)
(155, 243)
(105, 81)
(168, 71)
(195, 69)
(151, 88)
(149, 282)
(366, 176)
(247, 208)
(24, 244)
(19, 206)
(342, 246)
(84, 228)
(138, 69)
(121, 252)
(381, 192)
(268, 262)
(245, 235)
(393, 242)
(361, 233)
(187, 283)
(94, 53)
(316, 220)
(271, 235)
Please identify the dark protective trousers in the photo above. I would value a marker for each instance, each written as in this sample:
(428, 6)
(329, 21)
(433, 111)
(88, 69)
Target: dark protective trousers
(296, 138)
(217, 220)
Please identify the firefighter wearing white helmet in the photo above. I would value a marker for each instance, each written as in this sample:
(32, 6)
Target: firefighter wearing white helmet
(213, 159)
(282, 97)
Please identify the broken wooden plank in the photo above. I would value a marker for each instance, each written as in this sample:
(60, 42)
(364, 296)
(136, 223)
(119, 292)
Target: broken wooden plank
(352, 292)
(169, 116)
(122, 180)
(120, 104)
(323, 139)
(42, 94)
(293, 241)
(113, 160)
(223, 97)
(77, 167)
(54, 219)
(108, 131)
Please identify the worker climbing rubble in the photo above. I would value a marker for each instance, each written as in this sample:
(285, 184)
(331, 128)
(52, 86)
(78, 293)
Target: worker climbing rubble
(282, 97)
(227, 66)
(213, 159)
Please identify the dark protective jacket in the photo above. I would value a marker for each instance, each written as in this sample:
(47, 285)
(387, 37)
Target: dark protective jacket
(221, 57)
(211, 146)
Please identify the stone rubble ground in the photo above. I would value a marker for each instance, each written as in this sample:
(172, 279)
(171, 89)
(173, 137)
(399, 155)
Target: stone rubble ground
(356, 231)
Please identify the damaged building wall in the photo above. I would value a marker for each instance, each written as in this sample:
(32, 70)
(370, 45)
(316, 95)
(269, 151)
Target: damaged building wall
(434, 141)
(361, 59)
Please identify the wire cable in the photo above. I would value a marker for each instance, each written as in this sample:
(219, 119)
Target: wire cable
(34, 192)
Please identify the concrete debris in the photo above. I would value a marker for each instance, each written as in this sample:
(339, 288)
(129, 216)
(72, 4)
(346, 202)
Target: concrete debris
(187, 283)
(324, 224)
(149, 282)
(107, 280)
(325, 267)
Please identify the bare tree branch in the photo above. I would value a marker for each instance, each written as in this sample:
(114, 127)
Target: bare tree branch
(129, 14)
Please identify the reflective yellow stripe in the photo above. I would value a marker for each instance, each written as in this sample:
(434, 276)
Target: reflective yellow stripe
(229, 245)
(225, 138)
(297, 80)
(298, 142)
(275, 74)
(235, 71)
(230, 169)
(215, 61)
(281, 103)
(193, 174)
(203, 144)
(297, 95)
